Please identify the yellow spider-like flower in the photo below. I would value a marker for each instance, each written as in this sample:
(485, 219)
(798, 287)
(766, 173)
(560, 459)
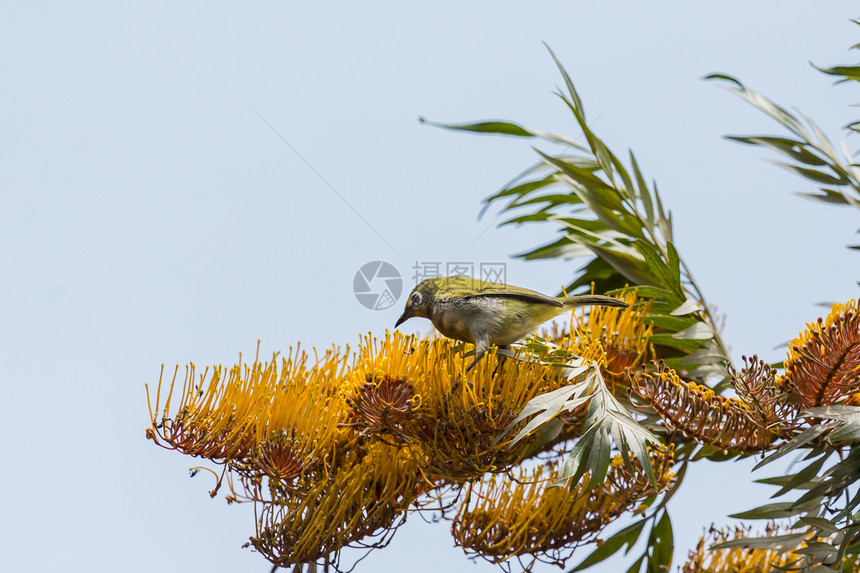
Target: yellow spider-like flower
(282, 417)
(623, 333)
(406, 388)
(783, 557)
(365, 498)
(333, 451)
(823, 364)
(736, 560)
(724, 423)
(513, 518)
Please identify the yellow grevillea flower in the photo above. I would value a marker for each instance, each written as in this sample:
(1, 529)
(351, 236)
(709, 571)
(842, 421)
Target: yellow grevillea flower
(334, 448)
(405, 387)
(737, 560)
(234, 417)
(623, 333)
(724, 423)
(823, 362)
(505, 518)
(783, 557)
(360, 503)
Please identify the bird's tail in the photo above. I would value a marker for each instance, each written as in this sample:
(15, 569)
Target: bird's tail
(593, 299)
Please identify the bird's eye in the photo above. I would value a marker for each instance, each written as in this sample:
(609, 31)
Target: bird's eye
(416, 299)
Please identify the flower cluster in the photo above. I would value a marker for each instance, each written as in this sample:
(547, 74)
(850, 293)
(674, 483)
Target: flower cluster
(334, 449)
(414, 395)
(738, 559)
(504, 517)
(361, 500)
(788, 552)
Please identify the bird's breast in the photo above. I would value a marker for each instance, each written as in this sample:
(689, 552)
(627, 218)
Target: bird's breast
(453, 325)
(468, 319)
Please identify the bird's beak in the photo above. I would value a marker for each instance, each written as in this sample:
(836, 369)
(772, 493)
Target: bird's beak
(403, 318)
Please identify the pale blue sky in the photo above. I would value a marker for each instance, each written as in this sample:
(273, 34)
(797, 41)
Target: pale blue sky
(150, 216)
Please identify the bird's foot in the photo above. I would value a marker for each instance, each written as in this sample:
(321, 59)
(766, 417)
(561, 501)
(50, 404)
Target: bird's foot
(456, 384)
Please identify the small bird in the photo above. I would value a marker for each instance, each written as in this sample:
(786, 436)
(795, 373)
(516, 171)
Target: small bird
(486, 313)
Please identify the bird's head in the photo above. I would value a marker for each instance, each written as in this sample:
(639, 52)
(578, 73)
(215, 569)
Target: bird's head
(420, 301)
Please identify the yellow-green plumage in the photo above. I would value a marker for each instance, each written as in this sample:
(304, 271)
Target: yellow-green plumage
(486, 313)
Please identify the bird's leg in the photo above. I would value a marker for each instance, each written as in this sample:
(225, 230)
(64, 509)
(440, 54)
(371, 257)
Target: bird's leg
(477, 359)
(502, 354)
(481, 347)
(469, 367)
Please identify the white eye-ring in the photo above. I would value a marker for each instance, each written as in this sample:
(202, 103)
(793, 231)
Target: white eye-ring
(416, 299)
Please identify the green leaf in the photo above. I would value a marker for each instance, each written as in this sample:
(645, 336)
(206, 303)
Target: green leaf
(646, 292)
(521, 189)
(551, 200)
(672, 323)
(830, 196)
(687, 307)
(846, 433)
(849, 416)
(708, 370)
(782, 480)
(803, 477)
(568, 82)
(826, 527)
(498, 127)
(762, 103)
(592, 452)
(796, 150)
(627, 536)
(662, 545)
(642, 190)
(814, 175)
(820, 551)
(698, 331)
(606, 416)
(770, 511)
(672, 342)
(674, 263)
(843, 413)
(798, 441)
(781, 543)
(635, 270)
(664, 219)
(637, 565)
(656, 265)
(601, 274)
(492, 126)
(846, 72)
(708, 355)
(585, 177)
(563, 248)
(551, 404)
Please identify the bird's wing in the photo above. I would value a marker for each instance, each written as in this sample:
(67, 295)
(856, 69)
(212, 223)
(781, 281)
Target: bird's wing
(484, 288)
